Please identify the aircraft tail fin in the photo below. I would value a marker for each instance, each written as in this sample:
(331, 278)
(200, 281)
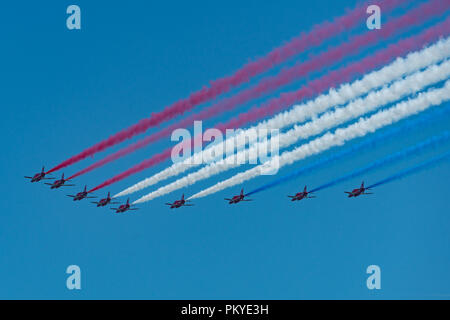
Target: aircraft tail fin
(109, 195)
(362, 184)
(43, 169)
(242, 191)
(128, 201)
(62, 177)
(304, 190)
(182, 196)
(85, 186)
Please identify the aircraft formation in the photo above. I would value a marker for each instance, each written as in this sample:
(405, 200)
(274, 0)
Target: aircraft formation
(357, 93)
(305, 194)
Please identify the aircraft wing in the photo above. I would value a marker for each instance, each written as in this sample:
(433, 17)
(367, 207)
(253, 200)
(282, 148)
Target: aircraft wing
(70, 196)
(228, 199)
(347, 192)
(169, 204)
(28, 177)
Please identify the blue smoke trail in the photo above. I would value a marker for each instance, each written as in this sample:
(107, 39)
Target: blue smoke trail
(422, 146)
(368, 143)
(415, 169)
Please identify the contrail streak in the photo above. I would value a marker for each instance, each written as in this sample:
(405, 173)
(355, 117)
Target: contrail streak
(358, 107)
(287, 75)
(401, 66)
(357, 148)
(316, 86)
(415, 169)
(295, 46)
(401, 110)
(433, 142)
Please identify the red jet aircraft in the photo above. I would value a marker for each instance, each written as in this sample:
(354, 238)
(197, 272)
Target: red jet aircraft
(81, 195)
(179, 203)
(301, 195)
(237, 198)
(124, 207)
(39, 176)
(59, 183)
(103, 202)
(357, 192)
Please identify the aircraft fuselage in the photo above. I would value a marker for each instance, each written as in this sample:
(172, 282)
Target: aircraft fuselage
(236, 199)
(38, 177)
(57, 184)
(299, 196)
(356, 192)
(177, 204)
(80, 196)
(103, 202)
(123, 208)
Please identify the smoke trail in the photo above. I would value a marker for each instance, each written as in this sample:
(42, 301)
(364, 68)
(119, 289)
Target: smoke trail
(361, 128)
(316, 86)
(268, 84)
(367, 144)
(318, 34)
(333, 78)
(417, 168)
(346, 92)
(372, 101)
(397, 156)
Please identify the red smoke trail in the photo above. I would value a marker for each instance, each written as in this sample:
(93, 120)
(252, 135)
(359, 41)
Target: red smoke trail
(285, 76)
(315, 37)
(336, 77)
(332, 79)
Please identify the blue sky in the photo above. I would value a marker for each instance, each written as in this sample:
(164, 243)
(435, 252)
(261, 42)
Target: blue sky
(64, 90)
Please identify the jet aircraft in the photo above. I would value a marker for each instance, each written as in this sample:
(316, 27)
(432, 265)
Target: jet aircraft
(301, 195)
(237, 198)
(357, 192)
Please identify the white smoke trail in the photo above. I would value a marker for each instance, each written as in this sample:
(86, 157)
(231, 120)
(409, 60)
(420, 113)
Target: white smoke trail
(358, 107)
(401, 66)
(364, 126)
